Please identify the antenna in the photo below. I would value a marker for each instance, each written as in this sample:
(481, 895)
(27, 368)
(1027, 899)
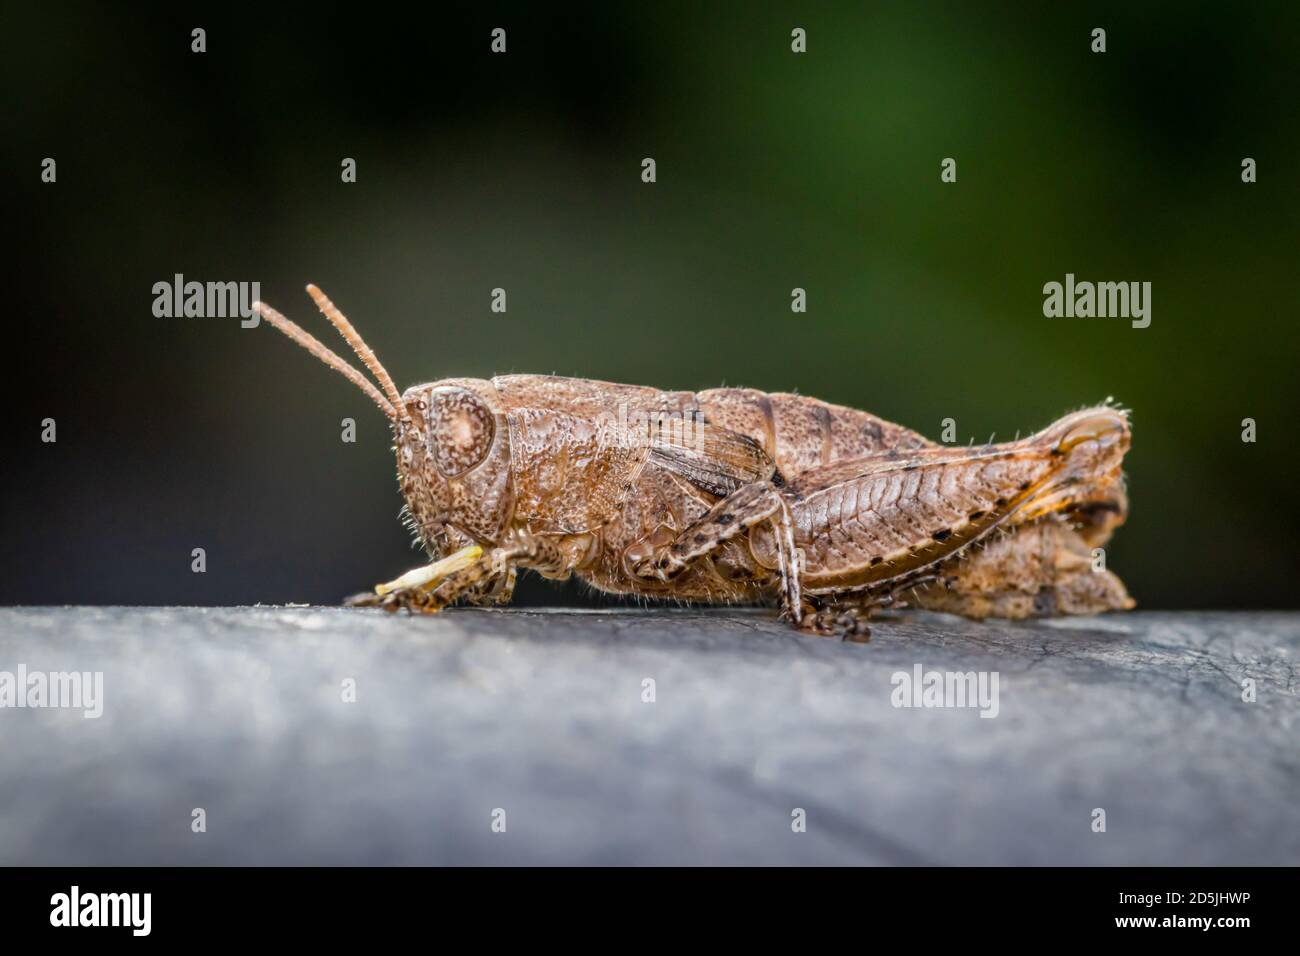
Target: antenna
(314, 346)
(354, 339)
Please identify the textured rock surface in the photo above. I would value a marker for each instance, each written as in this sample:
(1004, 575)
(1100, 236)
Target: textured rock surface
(239, 711)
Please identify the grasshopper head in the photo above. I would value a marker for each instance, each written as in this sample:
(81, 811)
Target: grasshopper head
(452, 441)
(453, 463)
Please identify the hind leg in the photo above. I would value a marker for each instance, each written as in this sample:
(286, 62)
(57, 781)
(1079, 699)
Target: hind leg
(846, 617)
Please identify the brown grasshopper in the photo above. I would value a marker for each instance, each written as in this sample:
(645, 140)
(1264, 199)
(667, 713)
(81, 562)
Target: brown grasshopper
(732, 496)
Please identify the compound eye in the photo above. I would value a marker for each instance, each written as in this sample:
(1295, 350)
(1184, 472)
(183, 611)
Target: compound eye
(461, 429)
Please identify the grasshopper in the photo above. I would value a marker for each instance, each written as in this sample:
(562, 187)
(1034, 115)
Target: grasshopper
(732, 496)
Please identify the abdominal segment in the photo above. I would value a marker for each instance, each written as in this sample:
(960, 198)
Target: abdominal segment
(1039, 569)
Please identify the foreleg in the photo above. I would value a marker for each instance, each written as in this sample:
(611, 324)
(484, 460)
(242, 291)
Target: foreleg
(478, 576)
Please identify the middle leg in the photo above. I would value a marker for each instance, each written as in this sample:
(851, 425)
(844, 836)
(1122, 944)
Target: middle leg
(739, 513)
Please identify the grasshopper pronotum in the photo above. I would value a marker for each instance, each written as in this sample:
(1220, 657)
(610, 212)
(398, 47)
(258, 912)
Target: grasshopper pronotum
(737, 496)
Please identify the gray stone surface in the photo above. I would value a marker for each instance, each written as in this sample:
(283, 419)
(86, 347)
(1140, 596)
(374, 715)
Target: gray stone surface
(239, 711)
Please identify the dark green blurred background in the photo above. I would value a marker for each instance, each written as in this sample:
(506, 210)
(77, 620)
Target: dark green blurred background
(522, 171)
